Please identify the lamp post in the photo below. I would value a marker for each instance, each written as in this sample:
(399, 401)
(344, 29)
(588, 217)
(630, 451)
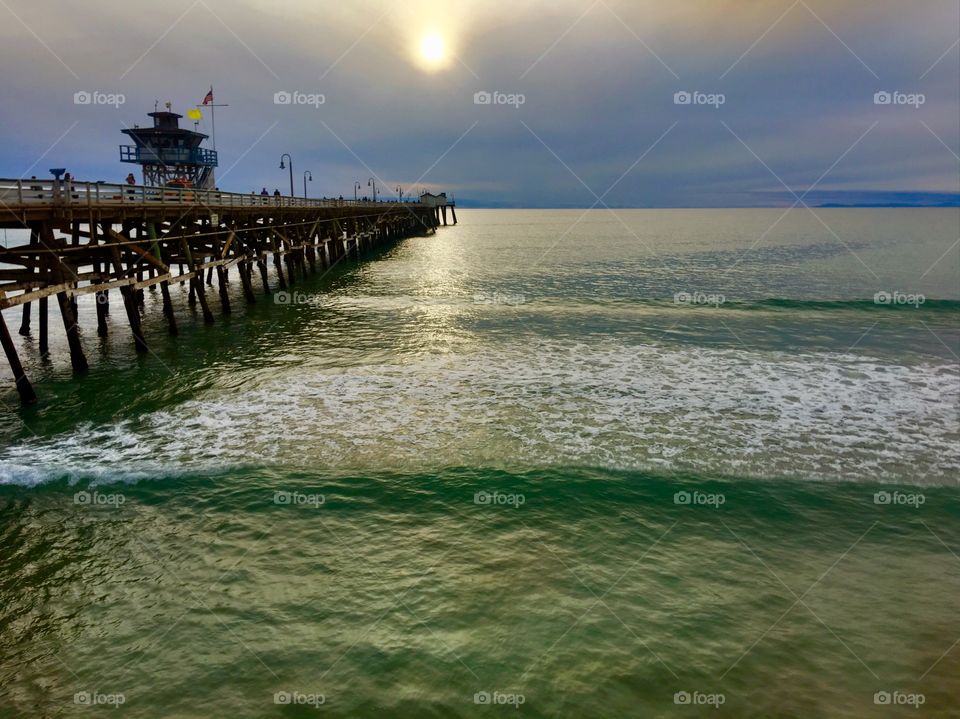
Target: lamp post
(356, 188)
(306, 173)
(290, 164)
(373, 183)
(399, 193)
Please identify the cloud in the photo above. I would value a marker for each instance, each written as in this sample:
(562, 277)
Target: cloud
(798, 81)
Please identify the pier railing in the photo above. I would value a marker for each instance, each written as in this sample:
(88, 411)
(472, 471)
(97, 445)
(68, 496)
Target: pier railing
(15, 194)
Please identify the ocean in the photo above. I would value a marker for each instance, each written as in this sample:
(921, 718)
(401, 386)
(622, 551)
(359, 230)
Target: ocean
(554, 463)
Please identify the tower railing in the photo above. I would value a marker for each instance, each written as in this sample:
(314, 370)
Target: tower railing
(168, 155)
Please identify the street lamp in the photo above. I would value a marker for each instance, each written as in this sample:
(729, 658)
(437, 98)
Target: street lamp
(290, 164)
(373, 183)
(356, 188)
(400, 193)
(306, 173)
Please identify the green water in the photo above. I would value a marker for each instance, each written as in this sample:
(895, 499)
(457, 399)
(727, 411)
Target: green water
(506, 463)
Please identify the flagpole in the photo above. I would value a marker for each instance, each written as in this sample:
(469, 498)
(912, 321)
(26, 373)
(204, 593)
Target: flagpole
(213, 121)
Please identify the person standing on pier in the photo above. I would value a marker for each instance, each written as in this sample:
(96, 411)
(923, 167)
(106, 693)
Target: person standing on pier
(68, 186)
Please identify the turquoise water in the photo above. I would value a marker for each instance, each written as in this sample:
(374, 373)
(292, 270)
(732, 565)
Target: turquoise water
(566, 464)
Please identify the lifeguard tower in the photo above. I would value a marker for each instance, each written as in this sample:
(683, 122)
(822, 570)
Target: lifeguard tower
(170, 155)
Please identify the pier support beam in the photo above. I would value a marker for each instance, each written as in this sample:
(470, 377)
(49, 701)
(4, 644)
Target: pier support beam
(164, 286)
(224, 296)
(25, 320)
(168, 310)
(24, 388)
(245, 270)
(196, 283)
(77, 359)
(103, 309)
(278, 265)
(44, 334)
(126, 293)
(25, 317)
(197, 292)
(262, 265)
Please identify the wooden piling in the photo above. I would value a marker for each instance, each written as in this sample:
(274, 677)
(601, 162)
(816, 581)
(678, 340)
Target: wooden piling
(224, 295)
(245, 270)
(103, 309)
(261, 263)
(59, 276)
(24, 388)
(164, 284)
(126, 294)
(44, 343)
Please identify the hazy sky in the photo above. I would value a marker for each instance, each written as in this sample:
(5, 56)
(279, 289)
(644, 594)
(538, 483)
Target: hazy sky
(787, 95)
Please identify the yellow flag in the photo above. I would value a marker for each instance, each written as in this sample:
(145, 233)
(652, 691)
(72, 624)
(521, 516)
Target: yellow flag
(195, 114)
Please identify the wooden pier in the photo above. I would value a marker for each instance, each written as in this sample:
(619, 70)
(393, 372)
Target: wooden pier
(91, 238)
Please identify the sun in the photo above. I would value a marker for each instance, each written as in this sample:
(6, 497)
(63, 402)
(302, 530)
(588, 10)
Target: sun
(433, 50)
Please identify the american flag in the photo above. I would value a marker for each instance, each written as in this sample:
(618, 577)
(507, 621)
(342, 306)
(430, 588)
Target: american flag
(209, 98)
